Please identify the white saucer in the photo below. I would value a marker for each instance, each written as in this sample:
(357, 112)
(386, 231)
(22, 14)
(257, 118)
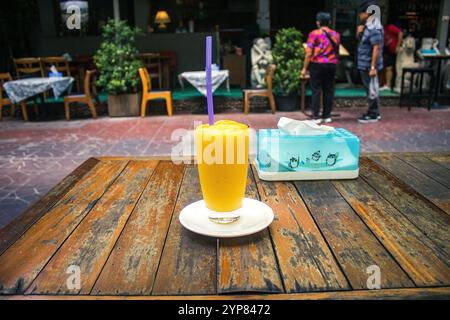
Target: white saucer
(255, 216)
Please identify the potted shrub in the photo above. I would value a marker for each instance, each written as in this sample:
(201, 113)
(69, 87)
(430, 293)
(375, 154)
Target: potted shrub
(118, 65)
(288, 56)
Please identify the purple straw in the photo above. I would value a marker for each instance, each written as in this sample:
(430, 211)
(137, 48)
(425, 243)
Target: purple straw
(209, 94)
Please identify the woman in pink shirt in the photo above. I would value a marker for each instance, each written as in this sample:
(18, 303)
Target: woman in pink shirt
(322, 54)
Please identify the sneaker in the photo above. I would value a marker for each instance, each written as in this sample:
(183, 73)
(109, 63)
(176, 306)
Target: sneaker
(367, 118)
(317, 121)
(385, 88)
(327, 120)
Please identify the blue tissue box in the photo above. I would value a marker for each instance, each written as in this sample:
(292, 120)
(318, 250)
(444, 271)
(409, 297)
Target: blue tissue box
(55, 75)
(282, 157)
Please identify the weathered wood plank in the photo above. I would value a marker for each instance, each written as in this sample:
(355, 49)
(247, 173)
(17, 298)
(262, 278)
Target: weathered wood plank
(248, 264)
(14, 230)
(131, 267)
(424, 185)
(432, 221)
(21, 262)
(306, 263)
(443, 160)
(353, 244)
(442, 293)
(188, 261)
(430, 168)
(90, 244)
(418, 255)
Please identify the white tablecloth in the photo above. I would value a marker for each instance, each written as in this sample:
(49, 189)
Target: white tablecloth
(198, 80)
(20, 90)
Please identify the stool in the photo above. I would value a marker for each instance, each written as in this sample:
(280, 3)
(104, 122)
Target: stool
(421, 72)
(303, 82)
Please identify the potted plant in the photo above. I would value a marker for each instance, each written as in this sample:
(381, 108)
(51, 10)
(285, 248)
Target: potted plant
(288, 56)
(118, 65)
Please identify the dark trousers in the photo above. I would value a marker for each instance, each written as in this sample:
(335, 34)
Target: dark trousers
(322, 80)
(372, 86)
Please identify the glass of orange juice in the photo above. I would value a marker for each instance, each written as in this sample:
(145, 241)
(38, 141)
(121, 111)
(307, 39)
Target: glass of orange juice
(222, 158)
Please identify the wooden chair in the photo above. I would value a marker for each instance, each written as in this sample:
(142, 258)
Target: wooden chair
(148, 95)
(152, 62)
(27, 67)
(90, 93)
(4, 77)
(61, 64)
(267, 93)
(30, 67)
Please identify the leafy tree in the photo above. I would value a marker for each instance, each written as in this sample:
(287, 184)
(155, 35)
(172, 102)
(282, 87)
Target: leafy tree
(288, 56)
(117, 59)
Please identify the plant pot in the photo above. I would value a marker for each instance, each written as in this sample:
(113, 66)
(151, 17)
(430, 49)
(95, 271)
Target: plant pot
(287, 102)
(123, 105)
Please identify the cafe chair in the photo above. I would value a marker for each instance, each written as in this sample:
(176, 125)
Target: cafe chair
(4, 101)
(28, 67)
(90, 93)
(61, 64)
(152, 62)
(148, 94)
(267, 93)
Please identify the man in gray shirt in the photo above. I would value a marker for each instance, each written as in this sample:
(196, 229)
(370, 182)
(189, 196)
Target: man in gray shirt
(370, 58)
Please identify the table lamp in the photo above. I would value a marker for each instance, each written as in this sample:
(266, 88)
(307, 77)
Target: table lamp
(162, 17)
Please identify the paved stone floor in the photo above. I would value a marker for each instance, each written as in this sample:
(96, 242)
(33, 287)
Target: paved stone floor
(35, 156)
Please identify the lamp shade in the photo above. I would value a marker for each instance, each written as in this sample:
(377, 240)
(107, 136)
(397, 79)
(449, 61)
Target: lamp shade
(162, 17)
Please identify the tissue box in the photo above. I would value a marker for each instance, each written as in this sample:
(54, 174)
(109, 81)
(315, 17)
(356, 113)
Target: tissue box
(282, 157)
(55, 75)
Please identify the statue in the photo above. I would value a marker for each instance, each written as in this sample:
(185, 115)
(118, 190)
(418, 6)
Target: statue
(261, 58)
(405, 59)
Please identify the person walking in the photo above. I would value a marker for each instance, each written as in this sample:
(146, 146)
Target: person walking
(370, 58)
(322, 54)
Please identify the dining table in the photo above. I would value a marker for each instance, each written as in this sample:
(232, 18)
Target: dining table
(113, 224)
(198, 80)
(23, 89)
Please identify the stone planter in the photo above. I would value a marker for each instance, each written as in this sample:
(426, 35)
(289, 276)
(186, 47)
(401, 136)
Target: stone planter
(124, 105)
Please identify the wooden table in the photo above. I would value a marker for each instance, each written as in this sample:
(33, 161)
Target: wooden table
(117, 220)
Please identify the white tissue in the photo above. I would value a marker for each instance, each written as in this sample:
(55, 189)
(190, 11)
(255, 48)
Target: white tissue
(303, 128)
(53, 69)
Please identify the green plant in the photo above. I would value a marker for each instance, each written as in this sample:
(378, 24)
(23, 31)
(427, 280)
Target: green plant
(288, 55)
(117, 60)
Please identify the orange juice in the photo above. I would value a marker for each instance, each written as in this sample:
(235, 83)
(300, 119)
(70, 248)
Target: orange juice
(222, 157)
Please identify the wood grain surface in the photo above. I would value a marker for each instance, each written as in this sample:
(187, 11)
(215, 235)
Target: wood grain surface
(117, 219)
(248, 264)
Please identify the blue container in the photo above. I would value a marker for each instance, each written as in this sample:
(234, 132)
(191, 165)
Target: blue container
(55, 75)
(282, 157)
